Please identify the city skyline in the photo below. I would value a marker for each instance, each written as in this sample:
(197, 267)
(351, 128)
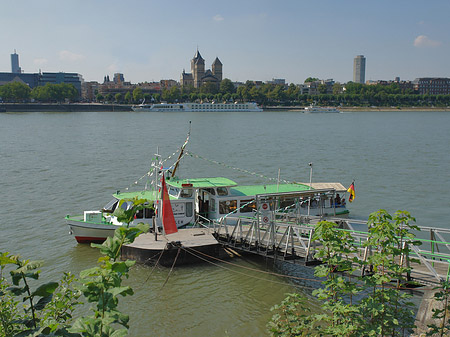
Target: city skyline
(257, 40)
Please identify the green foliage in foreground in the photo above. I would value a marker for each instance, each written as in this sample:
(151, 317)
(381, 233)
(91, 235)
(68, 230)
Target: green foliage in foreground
(441, 315)
(48, 309)
(381, 308)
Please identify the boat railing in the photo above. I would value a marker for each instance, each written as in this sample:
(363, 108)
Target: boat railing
(201, 221)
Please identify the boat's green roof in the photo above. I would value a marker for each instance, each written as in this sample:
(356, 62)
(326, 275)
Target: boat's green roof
(149, 195)
(263, 189)
(202, 182)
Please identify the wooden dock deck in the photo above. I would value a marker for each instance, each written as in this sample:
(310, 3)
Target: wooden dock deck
(166, 250)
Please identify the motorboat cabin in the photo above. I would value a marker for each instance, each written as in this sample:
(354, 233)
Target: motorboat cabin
(216, 198)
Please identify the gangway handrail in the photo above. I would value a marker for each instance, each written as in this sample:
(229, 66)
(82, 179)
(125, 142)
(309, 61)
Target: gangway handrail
(427, 264)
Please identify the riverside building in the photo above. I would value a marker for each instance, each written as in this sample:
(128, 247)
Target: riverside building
(432, 85)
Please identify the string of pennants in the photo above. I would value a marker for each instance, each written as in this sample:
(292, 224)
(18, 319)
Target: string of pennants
(237, 169)
(151, 172)
(193, 155)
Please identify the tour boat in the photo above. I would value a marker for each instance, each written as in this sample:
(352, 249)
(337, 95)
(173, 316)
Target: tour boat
(208, 200)
(204, 200)
(198, 107)
(314, 108)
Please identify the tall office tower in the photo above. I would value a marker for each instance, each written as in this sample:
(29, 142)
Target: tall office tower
(359, 69)
(15, 63)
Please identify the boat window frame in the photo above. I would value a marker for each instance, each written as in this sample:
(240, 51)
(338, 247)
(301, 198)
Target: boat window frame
(227, 207)
(174, 191)
(186, 193)
(220, 192)
(250, 208)
(111, 206)
(189, 209)
(212, 205)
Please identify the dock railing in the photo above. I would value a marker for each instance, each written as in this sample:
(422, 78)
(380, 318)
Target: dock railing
(290, 238)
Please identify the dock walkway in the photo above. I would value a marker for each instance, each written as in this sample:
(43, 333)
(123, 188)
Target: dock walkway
(291, 240)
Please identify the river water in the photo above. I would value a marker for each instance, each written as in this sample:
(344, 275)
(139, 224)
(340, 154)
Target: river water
(53, 164)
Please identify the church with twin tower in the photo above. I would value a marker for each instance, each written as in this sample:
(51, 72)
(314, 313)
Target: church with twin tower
(199, 76)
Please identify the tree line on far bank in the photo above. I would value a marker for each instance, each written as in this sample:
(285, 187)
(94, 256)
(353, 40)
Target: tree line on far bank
(20, 92)
(352, 94)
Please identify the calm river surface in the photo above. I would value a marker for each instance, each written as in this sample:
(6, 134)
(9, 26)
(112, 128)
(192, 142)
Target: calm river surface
(53, 164)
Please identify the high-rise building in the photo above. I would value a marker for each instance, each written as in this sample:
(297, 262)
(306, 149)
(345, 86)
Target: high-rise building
(359, 69)
(15, 69)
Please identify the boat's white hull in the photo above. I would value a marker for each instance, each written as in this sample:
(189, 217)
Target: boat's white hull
(197, 107)
(86, 232)
(320, 110)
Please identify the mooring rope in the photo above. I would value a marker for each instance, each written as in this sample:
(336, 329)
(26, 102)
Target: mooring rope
(210, 257)
(171, 269)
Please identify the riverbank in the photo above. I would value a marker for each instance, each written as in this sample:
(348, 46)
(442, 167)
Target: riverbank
(71, 107)
(355, 109)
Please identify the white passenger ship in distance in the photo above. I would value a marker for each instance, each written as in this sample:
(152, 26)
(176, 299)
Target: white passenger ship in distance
(206, 107)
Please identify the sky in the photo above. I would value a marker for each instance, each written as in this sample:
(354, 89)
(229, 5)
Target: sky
(254, 39)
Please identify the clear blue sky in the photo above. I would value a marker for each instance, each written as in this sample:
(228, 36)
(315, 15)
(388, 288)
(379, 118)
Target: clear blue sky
(257, 40)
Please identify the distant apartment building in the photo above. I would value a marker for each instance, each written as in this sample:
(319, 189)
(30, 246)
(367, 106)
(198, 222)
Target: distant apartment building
(432, 85)
(314, 88)
(15, 69)
(167, 84)
(277, 81)
(58, 78)
(89, 90)
(359, 69)
(119, 86)
(405, 86)
(150, 87)
(118, 78)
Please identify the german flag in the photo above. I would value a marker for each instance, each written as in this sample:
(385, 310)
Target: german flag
(351, 190)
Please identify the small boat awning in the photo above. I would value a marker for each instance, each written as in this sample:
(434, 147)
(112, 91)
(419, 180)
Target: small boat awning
(201, 182)
(336, 186)
(253, 190)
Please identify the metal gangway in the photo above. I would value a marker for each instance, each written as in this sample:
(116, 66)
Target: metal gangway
(289, 236)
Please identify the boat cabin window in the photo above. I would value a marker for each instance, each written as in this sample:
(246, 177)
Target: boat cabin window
(287, 203)
(139, 214)
(173, 191)
(227, 206)
(111, 206)
(212, 205)
(126, 205)
(222, 191)
(149, 213)
(250, 206)
(210, 191)
(189, 209)
(186, 193)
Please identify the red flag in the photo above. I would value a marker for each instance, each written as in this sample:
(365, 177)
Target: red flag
(351, 190)
(168, 219)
